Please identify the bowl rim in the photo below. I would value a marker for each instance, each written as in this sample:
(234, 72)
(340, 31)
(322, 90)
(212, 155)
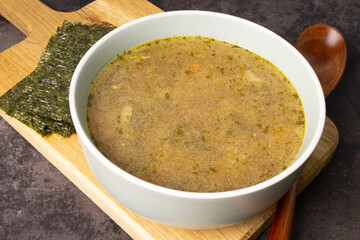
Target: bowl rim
(186, 194)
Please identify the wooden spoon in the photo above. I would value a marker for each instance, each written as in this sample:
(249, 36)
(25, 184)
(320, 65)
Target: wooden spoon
(325, 49)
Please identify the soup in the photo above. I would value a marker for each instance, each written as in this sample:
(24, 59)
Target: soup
(196, 114)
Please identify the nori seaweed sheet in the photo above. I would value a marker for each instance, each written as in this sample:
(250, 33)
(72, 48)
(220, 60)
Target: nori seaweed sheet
(41, 100)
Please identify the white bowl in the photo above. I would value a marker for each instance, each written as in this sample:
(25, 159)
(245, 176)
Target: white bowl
(189, 209)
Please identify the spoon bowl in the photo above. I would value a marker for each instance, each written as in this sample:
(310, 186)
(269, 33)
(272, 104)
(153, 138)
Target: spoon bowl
(325, 49)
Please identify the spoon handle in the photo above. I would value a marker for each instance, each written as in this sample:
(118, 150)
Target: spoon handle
(281, 226)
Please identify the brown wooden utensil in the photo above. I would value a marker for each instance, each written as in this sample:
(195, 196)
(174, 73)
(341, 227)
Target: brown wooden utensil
(325, 49)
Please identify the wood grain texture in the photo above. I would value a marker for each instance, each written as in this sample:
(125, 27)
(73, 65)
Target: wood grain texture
(39, 22)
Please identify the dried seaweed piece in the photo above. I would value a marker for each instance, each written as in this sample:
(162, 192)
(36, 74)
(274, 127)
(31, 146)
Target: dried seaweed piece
(41, 100)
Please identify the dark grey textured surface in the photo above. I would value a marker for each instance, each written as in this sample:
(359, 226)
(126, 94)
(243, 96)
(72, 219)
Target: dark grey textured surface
(38, 202)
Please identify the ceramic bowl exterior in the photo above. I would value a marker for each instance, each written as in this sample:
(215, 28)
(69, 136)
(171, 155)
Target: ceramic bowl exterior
(188, 209)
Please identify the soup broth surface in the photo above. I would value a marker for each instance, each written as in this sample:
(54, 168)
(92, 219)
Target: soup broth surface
(196, 114)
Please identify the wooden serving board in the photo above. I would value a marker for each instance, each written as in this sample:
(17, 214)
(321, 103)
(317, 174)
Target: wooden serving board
(38, 23)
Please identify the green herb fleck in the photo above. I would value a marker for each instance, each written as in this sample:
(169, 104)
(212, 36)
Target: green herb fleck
(300, 122)
(212, 169)
(266, 129)
(180, 131)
